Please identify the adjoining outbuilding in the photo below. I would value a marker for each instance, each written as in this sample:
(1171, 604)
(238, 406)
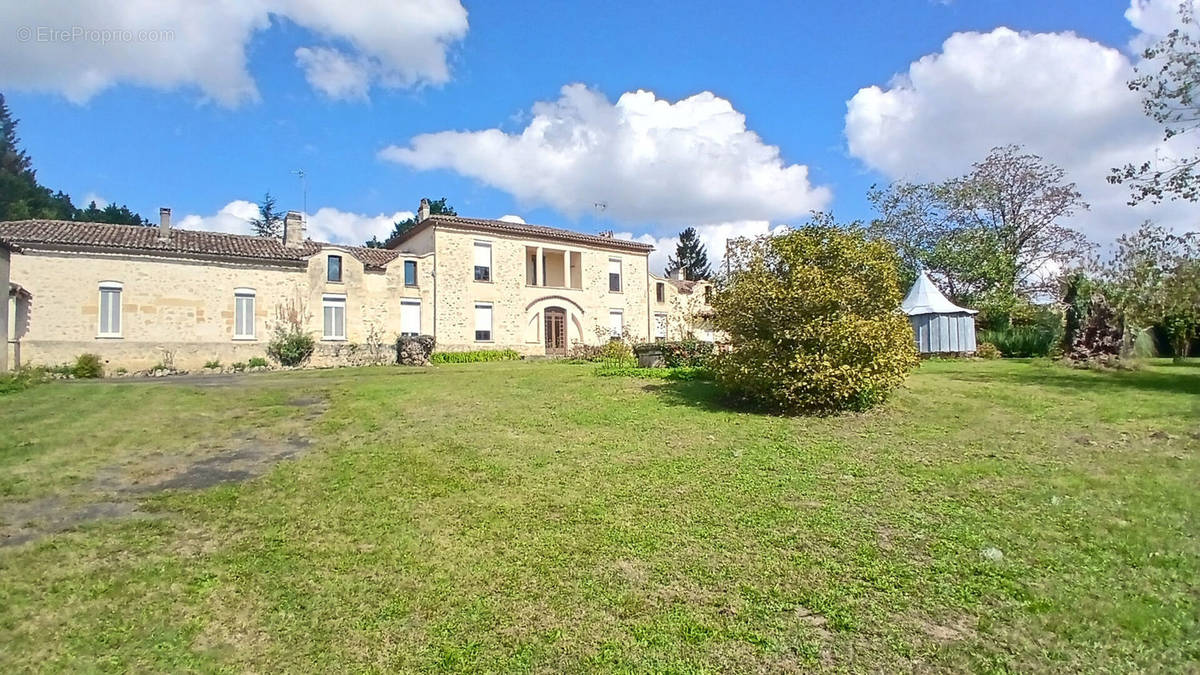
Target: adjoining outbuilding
(939, 326)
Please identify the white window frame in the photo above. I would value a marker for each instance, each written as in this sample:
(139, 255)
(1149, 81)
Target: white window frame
(239, 295)
(335, 302)
(620, 275)
(410, 302)
(475, 260)
(491, 329)
(619, 314)
(118, 311)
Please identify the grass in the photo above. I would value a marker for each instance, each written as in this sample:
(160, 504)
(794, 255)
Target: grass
(531, 516)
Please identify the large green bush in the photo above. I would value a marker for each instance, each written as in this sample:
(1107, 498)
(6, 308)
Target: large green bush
(1022, 341)
(812, 315)
(476, 356)
(681, 353)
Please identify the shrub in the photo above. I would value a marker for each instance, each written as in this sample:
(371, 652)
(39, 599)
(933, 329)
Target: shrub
(414, 350)
(813, 319)
(476, 356)
(21, 380)
(257, 362)
(212, 364)
(687, 353)
(290, 346)
(655, 373)
(88, 366)
(1022, 341)
(987, 350)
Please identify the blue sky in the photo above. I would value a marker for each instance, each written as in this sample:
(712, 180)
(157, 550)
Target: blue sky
(166, 136)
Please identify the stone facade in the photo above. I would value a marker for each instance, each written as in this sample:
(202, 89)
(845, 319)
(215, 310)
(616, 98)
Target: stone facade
(178, 306)
(683, 311)
(5, 257)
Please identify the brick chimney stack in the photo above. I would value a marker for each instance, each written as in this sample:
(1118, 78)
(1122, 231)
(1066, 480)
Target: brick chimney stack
(293, 229)
(164, 223)
(423, 210)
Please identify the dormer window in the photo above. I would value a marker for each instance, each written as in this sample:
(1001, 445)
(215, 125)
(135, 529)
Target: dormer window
(334, 269)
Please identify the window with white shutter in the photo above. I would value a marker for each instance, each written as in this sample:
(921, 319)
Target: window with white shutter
(483, 261)
(483, 322)
(660, 326)
(334, 317)
(243, 314)
(616, 324)
(110, 309)
(614, 275)
(410, 317)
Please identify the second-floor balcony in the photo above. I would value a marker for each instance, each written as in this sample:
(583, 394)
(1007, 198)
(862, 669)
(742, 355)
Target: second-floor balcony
(553, 268)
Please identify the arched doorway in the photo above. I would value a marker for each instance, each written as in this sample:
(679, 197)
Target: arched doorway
(556, 331)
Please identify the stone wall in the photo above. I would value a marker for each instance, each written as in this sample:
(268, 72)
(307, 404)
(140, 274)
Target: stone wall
(517, 306)
(4, 303)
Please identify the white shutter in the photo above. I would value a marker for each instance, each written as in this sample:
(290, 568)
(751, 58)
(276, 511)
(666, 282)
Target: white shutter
(616, 323)
(614, 266)
(483, 255)
(410, 317)
(483, 317)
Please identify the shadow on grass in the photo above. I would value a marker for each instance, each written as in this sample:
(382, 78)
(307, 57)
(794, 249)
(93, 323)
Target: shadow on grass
(1184, 378)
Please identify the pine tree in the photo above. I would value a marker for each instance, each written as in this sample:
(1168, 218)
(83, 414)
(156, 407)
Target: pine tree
(269, 222)
(690, 255)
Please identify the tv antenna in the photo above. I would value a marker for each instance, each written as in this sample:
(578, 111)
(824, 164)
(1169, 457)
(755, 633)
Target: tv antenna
(303, 189)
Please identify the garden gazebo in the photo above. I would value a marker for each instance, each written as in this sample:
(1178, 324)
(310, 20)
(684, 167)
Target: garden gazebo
(940, 326)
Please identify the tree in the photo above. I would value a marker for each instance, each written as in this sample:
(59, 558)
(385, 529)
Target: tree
(691, 256)
(22, 197)
(437, 207)
(812, 315)
(1168, 76)
(116, 215)
(1154, 279)
(269, 222)
(994, 236)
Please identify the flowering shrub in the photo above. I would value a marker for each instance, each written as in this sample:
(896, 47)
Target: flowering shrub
(987, 350)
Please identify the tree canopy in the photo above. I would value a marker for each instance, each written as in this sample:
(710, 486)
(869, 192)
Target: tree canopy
(437, 207)
(993, 236)
(691, 256)
(1167, 80)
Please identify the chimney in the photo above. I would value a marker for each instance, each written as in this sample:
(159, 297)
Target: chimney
(164, 223)
(293, 229)
(423, 210)
(607, 234)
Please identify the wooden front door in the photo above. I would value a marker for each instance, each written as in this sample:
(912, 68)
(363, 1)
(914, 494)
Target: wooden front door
(556, 332)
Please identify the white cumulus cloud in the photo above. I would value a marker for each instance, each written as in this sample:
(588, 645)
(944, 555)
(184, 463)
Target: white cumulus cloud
(327, 224)
(79, 49)
(644, 158)
(1060, 95)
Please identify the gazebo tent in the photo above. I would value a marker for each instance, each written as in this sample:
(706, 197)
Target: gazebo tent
(940, 326)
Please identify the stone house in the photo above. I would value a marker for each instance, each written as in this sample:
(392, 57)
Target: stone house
(144, 296)
(679, 309)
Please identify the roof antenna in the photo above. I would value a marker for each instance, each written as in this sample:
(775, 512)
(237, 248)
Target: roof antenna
(304, 190)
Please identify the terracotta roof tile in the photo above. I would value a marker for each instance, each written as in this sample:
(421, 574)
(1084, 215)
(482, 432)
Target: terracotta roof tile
(524, 230)
(185, 242)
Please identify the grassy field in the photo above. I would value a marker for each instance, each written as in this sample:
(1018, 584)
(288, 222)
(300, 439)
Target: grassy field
(532, 516)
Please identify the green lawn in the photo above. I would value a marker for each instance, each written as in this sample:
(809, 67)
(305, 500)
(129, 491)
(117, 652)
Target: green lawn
(532, 516)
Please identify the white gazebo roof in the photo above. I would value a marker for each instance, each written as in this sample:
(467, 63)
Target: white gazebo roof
(925, 298)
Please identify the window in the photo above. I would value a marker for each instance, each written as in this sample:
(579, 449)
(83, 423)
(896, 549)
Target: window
(334, 269)
(660, 326)
(483, 322)
(614, 275)
(660, 292)
(410, 317)
(334, 324)
(410, 272)
(616, 324)
(483, 261)
(243, 314)
(110, 309)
